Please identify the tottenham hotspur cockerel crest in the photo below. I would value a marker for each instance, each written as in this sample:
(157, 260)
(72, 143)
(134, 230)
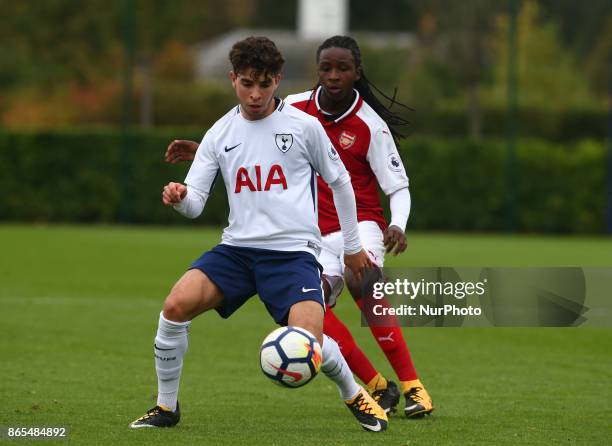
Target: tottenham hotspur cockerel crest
(284, 141)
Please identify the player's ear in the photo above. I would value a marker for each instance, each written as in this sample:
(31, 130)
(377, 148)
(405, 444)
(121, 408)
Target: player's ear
(233, 77)
(277, 78)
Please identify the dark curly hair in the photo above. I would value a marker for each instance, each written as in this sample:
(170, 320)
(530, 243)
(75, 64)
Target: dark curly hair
(392, 119)
(258, 53)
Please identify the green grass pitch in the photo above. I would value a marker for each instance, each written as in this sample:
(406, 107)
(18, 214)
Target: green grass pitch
(78, 313)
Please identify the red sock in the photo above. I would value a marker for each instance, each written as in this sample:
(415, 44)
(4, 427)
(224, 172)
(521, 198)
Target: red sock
(391, 340)
(355, 358)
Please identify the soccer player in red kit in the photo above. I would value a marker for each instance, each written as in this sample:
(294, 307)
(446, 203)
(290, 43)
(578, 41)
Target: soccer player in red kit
(364, 134)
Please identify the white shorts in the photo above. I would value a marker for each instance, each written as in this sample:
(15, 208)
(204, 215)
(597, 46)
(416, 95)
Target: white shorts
(332, 248)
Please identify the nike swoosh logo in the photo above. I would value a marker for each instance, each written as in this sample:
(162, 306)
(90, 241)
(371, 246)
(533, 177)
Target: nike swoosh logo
(163, 349)
(295, 375)
(374, 428)
(305, 290)
(227, 149)
(414, 406)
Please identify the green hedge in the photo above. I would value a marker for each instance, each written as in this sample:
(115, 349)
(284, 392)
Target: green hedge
(77, 176)
(551, 125)
(99, 176)
(460, 185)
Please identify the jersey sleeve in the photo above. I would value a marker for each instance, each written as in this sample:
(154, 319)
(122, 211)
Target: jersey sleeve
(322, 156)
(385, 161)
(205, 167)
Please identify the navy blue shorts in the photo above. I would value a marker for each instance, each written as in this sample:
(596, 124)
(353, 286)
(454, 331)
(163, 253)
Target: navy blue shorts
(281, 278)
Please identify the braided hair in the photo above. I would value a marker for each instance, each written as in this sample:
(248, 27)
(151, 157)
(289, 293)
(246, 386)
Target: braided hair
(364, 87)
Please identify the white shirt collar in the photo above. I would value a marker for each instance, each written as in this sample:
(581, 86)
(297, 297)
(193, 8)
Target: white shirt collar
(346, 113)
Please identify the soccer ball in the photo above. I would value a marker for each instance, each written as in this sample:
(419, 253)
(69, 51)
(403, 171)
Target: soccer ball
(290, 356)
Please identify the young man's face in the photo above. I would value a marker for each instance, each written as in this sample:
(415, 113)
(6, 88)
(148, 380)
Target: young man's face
(337, 73)
(255, 93)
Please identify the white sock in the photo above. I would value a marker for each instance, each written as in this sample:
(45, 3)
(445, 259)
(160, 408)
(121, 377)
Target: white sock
(170, 347)
(335, 368)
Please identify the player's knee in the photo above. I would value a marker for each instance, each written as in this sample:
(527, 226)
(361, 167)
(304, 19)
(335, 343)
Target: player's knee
(308, 315)
(192, 295)
(363, 287)
(174, 310)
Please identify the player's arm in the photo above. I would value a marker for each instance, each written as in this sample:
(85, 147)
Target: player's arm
(326, 162)
(394, 237)
(391, 175)
(180, 150)
(190, 199)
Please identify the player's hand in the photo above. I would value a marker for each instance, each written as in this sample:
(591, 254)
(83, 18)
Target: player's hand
(173, 193)
(358, 262)
(180, 150)
(394, 240)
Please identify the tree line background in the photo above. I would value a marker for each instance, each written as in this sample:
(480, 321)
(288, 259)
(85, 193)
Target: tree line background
(62, 63)
(63, 69)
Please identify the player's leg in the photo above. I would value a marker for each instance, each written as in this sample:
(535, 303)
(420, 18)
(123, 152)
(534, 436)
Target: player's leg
(389, 335)
(192, 295)
(290, 286)
(387, 395)
(356, 359)
(219, 279)
(330, 259)
(390, 339)
(309, 315)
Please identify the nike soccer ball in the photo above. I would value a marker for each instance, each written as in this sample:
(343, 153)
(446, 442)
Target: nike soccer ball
(290, 356)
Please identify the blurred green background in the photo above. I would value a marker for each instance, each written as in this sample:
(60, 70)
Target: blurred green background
(510, 128)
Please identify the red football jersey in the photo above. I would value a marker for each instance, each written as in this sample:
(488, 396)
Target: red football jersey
(366, 148)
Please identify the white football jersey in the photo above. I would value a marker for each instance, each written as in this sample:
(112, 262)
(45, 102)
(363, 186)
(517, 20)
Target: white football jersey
(269, 168)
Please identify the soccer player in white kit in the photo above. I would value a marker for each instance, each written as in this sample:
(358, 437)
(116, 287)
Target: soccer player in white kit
(268, 155)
